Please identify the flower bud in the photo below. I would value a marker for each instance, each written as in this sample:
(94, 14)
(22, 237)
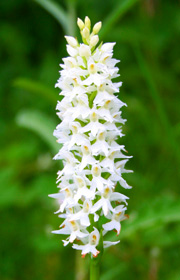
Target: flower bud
(80, 24)
(71, 41)
(85, 33)
(94, 40)
(97, 27)
(87, 23)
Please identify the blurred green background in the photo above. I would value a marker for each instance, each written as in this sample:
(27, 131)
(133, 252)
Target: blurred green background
(32, 45)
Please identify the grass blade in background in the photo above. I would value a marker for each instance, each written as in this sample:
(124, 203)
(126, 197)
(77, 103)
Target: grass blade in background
(72, 18)
(41, 125)
(115, 15)
(158, 102)
(56, 11)
(37, 88)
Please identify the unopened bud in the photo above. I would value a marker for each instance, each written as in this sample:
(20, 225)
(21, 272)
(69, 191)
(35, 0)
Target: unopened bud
(85, 33)
(80, 23)
(71, 41)
(97, 27)
(94, 40)
(87, 23)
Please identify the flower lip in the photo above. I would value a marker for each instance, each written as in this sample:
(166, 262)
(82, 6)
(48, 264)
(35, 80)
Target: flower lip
(80, 181)
(92, 68)
(85, 150)
(96, 170)
(94, 117)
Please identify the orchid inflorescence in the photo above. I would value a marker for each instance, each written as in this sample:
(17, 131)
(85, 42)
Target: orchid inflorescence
(89, 129)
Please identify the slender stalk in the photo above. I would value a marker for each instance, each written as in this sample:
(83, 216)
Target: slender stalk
(94, 269)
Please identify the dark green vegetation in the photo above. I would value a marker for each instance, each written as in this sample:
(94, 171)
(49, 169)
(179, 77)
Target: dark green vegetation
(31, 48)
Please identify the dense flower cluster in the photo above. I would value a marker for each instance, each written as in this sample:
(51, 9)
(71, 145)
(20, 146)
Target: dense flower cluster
(93, 160)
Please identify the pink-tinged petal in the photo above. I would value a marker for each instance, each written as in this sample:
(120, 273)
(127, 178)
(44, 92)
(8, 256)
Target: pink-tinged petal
(86, 249)
(112, 225)
(94, 251)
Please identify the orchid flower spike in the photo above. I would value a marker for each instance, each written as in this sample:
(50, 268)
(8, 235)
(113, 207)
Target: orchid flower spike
(92, 153)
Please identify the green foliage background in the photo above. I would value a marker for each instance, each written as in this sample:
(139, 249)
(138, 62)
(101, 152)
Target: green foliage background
(31, 48)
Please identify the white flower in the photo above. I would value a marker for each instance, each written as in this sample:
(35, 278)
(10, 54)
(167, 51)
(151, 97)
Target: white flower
(89, 134)
(115, 220)
(105, 201)
(90, 247)
(71, 228)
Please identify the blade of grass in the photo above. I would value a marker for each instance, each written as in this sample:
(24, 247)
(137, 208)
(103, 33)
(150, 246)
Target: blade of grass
(56, 11)
(37, 88)
(121, 9)
(71, 6)
(157, 102)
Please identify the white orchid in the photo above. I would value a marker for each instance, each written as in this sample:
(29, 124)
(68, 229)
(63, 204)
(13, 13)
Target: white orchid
(89, 132)
(90, 246)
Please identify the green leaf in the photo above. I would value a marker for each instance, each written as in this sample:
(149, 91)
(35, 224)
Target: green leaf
(37, 88)
(123, 7)
(56, 11)
(41, 125)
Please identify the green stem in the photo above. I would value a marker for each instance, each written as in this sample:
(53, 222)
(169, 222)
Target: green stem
(95, 262)
(94, 269)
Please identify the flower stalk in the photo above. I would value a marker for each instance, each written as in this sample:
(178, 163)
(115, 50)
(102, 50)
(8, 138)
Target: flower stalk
(94, 269)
